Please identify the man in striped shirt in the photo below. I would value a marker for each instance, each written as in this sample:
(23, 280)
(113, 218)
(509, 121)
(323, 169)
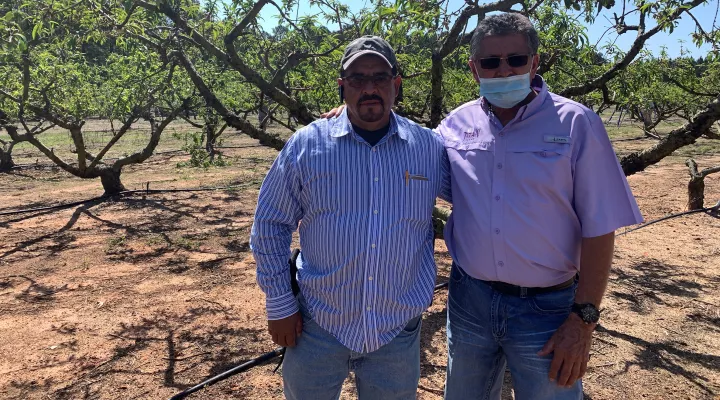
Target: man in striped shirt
(364, 185)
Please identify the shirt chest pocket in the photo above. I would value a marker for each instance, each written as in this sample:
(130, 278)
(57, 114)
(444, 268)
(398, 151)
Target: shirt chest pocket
(418, 190)
(540, 162)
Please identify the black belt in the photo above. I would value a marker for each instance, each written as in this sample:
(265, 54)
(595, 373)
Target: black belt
(519, 291)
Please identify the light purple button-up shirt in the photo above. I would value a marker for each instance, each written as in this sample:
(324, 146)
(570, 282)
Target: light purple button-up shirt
(524, 195)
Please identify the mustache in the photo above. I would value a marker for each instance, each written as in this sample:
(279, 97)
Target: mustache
(371, 97)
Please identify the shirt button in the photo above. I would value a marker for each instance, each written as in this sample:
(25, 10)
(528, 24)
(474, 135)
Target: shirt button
(369, 308)
(377, 179)
(372, 245)
(499, 165)
(375, 212)
(370, 278)
(502, 133)
(497, 198)
(500, 263)
(497, 231)
(374, 148)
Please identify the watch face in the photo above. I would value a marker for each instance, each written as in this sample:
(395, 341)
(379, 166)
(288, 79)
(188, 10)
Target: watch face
(587, 312)
(590, 313)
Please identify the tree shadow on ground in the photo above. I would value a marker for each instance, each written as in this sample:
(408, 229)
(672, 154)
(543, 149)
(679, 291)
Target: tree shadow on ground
(34, 292)
(669, 356)
(57, 236)
(645, 284)
(160, 217)
(191, 348)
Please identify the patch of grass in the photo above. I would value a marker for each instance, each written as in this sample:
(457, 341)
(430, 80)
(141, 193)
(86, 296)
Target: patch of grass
(114, 243)
(186, 243)
(702, 147)
(155, 240)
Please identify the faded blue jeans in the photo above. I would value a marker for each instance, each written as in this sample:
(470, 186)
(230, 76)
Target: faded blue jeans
(317, 366)
(488, 331)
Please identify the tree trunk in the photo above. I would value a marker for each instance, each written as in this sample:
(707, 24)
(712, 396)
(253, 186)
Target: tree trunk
(6, 161)
(436, 96)
(696, 192)
(210, 129)
(210, 139)
(110, 179)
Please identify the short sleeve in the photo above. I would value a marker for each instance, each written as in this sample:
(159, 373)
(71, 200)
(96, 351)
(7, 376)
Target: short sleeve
(603, 200)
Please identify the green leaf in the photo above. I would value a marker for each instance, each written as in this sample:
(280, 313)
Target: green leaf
(37, 30)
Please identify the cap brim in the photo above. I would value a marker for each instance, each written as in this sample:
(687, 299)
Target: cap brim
(362, 53)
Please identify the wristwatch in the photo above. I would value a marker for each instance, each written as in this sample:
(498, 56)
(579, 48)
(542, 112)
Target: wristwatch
(587, 312)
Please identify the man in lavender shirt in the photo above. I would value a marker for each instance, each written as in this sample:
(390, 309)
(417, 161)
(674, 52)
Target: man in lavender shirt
(537, 195)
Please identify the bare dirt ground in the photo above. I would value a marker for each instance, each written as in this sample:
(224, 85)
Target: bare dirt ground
(143, 297)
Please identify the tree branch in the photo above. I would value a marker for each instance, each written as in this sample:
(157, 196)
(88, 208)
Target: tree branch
(687, 134)
(251, 15)
(120, 133)
(231, 118)
(231, 58)
(685, 88)
(642, 37)
(296, 58)
(156, 131)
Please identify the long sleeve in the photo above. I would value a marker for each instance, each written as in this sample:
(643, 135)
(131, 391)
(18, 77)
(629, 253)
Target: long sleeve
(445, 186)
(276, 218)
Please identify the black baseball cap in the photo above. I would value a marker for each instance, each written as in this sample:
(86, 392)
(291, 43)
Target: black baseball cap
(369, 45)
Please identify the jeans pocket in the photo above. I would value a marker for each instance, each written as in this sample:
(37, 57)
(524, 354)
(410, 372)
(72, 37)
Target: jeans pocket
(411, 327)
(457, 275)
(558, 302)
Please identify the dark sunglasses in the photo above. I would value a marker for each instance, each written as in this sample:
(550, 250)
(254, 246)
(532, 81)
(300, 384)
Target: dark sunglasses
(513, 61)
(359, 81)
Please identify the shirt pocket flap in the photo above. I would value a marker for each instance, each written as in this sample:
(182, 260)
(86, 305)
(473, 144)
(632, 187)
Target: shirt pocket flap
(481, 145)
(541, 148)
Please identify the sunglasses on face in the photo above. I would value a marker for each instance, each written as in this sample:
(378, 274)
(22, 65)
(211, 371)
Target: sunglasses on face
(515, 61)
(359, 81)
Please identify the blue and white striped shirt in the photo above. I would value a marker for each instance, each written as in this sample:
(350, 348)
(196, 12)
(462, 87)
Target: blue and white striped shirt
(366, 235)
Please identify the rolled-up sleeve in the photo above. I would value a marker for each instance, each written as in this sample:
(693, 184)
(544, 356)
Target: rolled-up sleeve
(276, 218)
(602, 197)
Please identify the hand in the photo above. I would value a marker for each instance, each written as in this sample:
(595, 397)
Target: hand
(334, 112)
(285, 331)
(570, 346)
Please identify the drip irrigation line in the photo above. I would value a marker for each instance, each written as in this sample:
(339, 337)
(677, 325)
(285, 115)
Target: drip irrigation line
(233, 371)
(38, 166)
(708, 210)
(279, 352)
(124, 193)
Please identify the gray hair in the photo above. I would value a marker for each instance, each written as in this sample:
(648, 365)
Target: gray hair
(502, 25)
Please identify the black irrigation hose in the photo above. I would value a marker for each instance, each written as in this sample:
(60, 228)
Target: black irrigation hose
(124, 193)
(245, 366)
(49, 166)
(240, 368)
(712, 209)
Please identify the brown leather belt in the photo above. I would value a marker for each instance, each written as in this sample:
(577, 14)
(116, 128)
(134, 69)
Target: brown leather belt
(519, 291)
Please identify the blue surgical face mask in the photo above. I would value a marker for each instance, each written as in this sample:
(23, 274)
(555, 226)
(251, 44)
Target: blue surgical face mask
(505, 92)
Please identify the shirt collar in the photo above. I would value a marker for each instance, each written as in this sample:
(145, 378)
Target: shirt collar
(539, 85)
(343, 126)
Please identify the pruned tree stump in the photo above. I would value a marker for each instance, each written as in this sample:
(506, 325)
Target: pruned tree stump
(696, 186)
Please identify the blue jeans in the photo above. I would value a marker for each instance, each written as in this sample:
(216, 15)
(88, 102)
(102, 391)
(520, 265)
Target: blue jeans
(317, 366)
(487, 331)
